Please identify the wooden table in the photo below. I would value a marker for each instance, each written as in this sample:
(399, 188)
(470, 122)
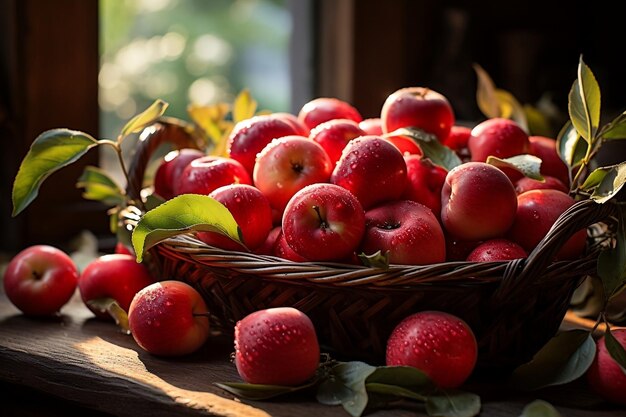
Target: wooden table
(84, 363)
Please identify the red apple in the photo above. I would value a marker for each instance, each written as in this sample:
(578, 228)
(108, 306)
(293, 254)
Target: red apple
(334, 135)
(287, 165)
(537, 211)
(420, 108)
(291, 119)
(551, 163)
(267, 248)
(409, 231)
(458, 138)
(323, 109)
(122, 249)
(502, 138)
(372, 169)
(283, 250)
(251, 211)
(478, 202)
(206, 174)
(425, 182)
(250, 136)
(497, 250)
(168, 318)
(405, 145)
(323, 222)
(458, 249)
(373, 126)
(168, 172)
(277, 346)
(605, 376)
(439, 344)
(116, 276)
(549, 183)
(40, 280)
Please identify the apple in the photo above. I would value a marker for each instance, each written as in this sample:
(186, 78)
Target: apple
(439, 344)
(372, 169)
(169, 170)
(267, 247)
(276, 346)
(40, 279)
(424, 182)
(458, 249)
(372, 126)
(291, 119)
(323, 222)
(478, 202)
(251, 211)
(405, 145)
(206, 174)
(409, 231)
(458, 138)
(169, 318)
(497, 250)
(498, 137)
(605, 376)
(551, 163)
(115, 276)
(283, 250)
(287, 165)
(323, 109)
(334, 135)
(121, 248)
(420, 108)
(537, 211)
(526, 184)
(250, 136)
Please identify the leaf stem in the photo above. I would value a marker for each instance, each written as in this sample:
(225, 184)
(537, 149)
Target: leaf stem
(118, 151)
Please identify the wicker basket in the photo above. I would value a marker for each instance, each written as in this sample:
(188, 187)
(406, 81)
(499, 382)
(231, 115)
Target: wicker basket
(513, 307)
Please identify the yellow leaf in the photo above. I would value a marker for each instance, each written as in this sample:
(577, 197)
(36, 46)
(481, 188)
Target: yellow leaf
(244, 106)
(208, 118)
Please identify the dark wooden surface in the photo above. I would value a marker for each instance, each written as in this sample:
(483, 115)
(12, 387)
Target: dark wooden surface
(75, 362)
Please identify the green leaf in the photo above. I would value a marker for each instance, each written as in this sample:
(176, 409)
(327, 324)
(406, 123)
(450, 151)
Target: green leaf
(616, 350)
(401, 376)
(584, 103)
(393, 391)
(375, 260)
(183, 214)
(51, 151)
(610, 181)
(453, 404)
(244, 106)
(431, 147)
(258, 392)
(512, 109)
(565, 357)
(538, 122)
(145, 118)
(346, 386)
(529, 165)
(540, 408)
(100, 187)
(616, 129)
(569, 146)
(109, 305)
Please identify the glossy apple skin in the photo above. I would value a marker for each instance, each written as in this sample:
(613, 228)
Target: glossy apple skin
(323, 109)
(372, 169)
(497, 250)
(267, 247)
(418, 107)
(372, 126)
(537, 211)
(276, 346)
(425, 182)
(206, 174)
(283, 250)
(250, 136)
(405, 145)
(251, 211)
(605, 376)
(409, 231)
(478, 202)
(502, 138)
(551, 163)
(549, 183)
(291, 119)
(441, 345)
(113, 276)
(458, 138)
(323, 222)
(40, 280)
(287, 165)
(162, 320)
(334, 135)
(168, 172)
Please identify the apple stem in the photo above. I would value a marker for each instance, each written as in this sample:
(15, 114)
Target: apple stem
(37, 275)
(323, 223)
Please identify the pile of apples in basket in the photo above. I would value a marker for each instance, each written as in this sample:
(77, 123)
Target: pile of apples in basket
(409, 187)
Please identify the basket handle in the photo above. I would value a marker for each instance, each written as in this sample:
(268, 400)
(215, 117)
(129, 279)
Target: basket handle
(176, 132)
